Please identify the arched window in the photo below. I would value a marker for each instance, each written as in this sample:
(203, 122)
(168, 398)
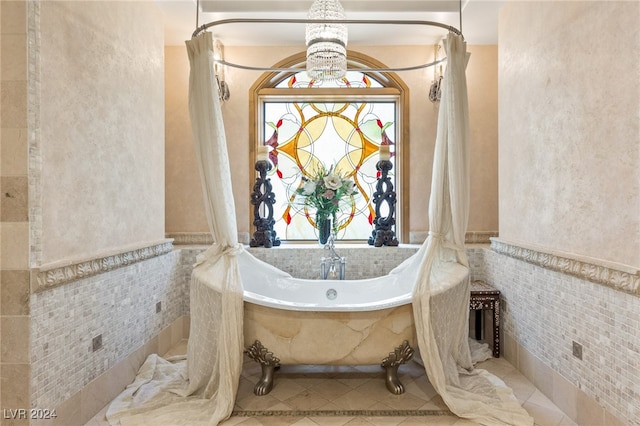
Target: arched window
(311, 125)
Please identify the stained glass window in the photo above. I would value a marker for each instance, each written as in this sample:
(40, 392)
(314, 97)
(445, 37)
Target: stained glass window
(345, 132)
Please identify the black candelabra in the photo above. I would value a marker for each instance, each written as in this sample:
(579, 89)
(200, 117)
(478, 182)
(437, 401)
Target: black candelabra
(263, 198)
(383, 233)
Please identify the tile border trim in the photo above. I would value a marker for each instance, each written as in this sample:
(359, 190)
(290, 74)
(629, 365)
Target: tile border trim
(33, 132)
(47, 277)
(340, 413)
(479, 237)
(204, 238)
(191, 238)
(609, 276)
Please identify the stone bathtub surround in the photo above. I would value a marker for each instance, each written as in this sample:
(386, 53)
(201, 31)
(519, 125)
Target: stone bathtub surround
(53, 275)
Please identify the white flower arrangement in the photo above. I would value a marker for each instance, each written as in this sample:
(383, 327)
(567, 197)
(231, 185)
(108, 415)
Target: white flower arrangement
(324, 191)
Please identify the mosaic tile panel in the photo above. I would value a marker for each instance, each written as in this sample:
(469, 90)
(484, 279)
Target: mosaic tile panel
(546, 311)
(120, 305)
(363, 261)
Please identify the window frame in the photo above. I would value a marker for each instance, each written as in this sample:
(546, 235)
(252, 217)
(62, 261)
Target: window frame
(264, 90)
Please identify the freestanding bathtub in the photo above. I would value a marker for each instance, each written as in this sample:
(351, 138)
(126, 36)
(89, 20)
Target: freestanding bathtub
(351, 322)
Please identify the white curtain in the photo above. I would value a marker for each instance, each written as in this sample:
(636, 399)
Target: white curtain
(214, 354)
(441, 310)
(202, 391)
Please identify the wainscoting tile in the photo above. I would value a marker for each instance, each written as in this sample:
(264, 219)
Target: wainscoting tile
(13, 101)
(565, 396)
(14, 387)
(137, 358)
(15, 245)
(14, 152)
(509, 348)
(522, 388)
(543, 410)
(95, 396)
(151, 347)
(14, 190)
(544, 378)
(14, 17)
(164, 341)
(527, 364)
(65, 318)
(14, 347)
(14, 292)
(611, 420)
(69, 412)
(590, 412)
(186, 327)
(14, 57)
(120, 376)
(177, 331)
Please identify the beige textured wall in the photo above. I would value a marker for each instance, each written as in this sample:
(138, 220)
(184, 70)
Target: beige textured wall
(569, 130)
(15, 368)
(482, 86)
(184, 203)
(184, 199)
(102, 127)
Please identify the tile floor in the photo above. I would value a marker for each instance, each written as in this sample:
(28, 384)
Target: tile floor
(343, 389)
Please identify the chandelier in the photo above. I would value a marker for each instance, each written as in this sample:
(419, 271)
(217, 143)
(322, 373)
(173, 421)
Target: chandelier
(326, 42)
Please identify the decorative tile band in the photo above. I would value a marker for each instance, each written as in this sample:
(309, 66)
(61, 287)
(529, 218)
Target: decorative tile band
(599, 274)
(48, 277)
(341, 413)
(480, 237)
(191, 238)
(201, 238)
(471, 237)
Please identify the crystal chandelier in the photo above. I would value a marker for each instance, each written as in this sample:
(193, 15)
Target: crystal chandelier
(326, 43)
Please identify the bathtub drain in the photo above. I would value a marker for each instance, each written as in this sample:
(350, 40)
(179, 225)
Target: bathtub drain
(332, 294)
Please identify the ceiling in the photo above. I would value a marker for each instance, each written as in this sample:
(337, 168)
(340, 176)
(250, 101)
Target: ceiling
(479, 21)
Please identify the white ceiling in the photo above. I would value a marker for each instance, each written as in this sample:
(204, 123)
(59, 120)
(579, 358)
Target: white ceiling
(479, 21)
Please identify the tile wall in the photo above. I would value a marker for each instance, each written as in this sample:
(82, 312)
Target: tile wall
(120, 305)
(544, 312)
(14, 216)
(363, 261)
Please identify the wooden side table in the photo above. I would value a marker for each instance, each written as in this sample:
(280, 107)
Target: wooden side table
(484, 297)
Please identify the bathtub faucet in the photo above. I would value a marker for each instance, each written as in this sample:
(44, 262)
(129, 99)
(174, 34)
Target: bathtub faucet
(332, 267)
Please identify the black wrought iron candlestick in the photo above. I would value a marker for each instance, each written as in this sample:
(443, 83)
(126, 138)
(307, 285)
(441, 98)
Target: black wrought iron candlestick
(383, 233)
(262, 197)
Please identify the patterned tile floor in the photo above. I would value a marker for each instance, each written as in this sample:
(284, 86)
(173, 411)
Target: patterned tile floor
(337, 396)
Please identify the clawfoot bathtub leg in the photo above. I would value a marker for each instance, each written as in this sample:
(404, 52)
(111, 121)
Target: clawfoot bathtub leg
(265, 384)
(268, 362)
(400, 355)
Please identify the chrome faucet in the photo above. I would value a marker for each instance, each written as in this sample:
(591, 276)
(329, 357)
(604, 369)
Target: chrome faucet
(332, 267)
